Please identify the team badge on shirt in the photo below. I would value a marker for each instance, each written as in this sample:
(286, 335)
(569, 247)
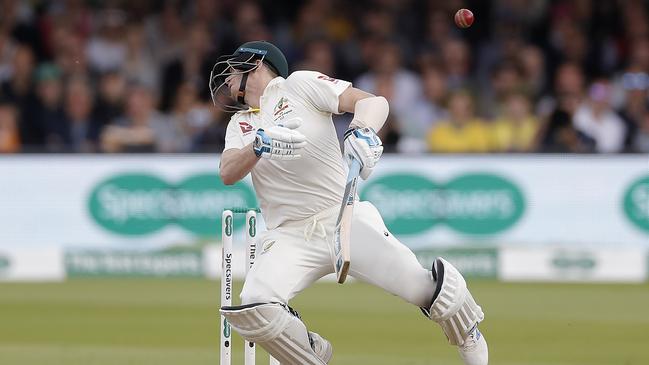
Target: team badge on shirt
(282, 108)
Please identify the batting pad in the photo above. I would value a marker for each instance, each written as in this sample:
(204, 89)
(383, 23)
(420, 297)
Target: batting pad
(453, 305)
(276, 329)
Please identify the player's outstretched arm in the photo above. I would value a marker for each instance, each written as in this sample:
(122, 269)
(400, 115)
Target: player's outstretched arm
(369, 110)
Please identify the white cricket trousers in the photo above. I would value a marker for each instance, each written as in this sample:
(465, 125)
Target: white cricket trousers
(296, 254)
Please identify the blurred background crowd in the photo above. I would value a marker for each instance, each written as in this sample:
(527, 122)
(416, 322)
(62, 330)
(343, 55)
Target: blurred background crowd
(132, 76)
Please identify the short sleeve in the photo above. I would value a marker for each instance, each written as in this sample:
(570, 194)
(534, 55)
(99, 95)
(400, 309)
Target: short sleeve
(233, 137)
(319, 89)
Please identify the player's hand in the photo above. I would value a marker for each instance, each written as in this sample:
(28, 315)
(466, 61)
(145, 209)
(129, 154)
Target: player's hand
(365, 146)
(280, 142)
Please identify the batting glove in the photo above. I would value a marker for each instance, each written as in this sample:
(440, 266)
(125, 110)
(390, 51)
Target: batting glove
(365, 146)
(280, 142)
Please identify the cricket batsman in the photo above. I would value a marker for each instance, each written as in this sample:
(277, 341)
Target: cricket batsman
(282, 133)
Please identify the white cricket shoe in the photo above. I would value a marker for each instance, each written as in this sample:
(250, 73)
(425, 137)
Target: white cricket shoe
(321, 347)
(474, 351)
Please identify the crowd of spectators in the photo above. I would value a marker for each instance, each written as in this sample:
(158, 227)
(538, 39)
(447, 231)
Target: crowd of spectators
(132, 76)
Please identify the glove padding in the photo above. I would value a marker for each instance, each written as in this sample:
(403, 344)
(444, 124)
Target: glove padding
(280, 142)
(365, 146)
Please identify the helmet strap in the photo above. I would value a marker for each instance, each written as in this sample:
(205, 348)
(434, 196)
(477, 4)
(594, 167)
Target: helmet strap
(242, 89)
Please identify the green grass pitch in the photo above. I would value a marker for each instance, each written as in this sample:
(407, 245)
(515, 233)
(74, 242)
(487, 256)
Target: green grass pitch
(101, 321)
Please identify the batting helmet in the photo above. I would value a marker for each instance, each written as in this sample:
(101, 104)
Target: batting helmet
(244, 60)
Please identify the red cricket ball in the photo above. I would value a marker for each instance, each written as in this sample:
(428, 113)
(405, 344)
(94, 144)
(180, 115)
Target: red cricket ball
(464, 18)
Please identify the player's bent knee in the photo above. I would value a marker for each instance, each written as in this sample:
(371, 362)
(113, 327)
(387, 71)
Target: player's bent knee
(415, 292)
(453, 306)
(257, 294)
(278, 329)
(251, 298)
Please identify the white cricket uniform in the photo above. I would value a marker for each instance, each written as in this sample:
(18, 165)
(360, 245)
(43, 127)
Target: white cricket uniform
(300, 201)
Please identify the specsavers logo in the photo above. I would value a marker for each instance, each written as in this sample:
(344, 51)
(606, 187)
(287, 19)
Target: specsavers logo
(139, 204)
(228, 226)
(252, 226)
(636, 203)
(478, 204)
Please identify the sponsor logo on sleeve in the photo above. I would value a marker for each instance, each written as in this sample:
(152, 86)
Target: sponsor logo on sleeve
(327, 78)
(246, 127)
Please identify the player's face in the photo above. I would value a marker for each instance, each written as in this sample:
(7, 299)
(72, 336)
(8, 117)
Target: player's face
(233, 81)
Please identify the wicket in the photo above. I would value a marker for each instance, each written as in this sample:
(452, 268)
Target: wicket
(227, 227)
